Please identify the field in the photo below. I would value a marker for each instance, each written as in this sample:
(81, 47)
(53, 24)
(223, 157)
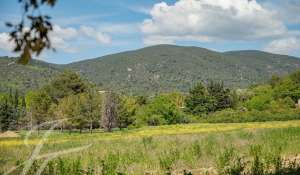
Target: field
(197, 148)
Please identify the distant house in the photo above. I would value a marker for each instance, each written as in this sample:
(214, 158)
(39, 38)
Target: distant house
(298, 104)
(101, 92)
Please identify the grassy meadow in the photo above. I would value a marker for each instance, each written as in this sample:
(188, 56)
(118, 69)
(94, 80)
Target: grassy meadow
(176, 149)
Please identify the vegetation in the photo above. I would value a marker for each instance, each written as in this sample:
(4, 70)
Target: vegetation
(158, 110)
(69, 97)
(269, 147)
(119, 123)
(33, 38)
(157, 69)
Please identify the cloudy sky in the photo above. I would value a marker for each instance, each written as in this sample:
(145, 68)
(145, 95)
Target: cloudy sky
(88, 29)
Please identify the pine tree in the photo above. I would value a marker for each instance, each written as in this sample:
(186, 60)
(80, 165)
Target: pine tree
(199, 101)
(221, 95)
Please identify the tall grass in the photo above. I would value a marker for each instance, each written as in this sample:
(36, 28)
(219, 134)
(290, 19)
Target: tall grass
(273, 150)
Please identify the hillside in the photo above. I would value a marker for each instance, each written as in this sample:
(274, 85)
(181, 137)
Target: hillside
(21, 77)
(158, 68)
(168, 67)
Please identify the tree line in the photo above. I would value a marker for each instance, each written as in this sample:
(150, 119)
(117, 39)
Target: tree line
(82, 106)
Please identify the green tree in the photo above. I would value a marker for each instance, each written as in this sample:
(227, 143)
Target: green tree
(127, 107)
(160, 110)
(6, 112)
(199, 101)
(91, 107)
(222, 95)
(65, 84)
(11, 110)
(263, 96)
(38, 102)
(289, 87)
(275, 80)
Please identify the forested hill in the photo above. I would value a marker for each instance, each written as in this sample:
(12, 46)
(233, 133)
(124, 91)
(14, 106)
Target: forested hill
(168, 67)
(33, 75)
(163, 68)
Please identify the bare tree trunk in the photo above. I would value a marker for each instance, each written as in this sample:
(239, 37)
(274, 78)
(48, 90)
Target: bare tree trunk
(61, 127)
(91, 126)
(31, 122)
(109, 115)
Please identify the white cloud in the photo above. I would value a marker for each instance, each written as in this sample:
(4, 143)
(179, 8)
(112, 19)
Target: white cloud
(64, 38)
(287, 10)
(283, 46)
(5, 44)
(92, 33)
(60, 38)
(207, 20)
(157, 39)
(65, 33)
(140, 9)
(119, 28)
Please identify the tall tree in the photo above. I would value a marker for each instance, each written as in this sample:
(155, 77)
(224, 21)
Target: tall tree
(221, 95)
(6, 112)
(109, 112)
(199, 101)
(126, 110)
(65, 84)
(91, 103)
(38, 103)
(289, 87)
(11, 110)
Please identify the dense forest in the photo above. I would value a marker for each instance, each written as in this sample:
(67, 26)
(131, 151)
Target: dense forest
(83, 106)
(155, 69)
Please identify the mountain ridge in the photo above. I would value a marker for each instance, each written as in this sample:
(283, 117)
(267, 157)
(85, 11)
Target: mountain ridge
(164, 68)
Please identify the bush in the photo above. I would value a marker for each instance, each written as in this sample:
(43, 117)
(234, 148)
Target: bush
(238, 116)
(161, 110)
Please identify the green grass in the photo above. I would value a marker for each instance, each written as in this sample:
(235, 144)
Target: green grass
(194, 147)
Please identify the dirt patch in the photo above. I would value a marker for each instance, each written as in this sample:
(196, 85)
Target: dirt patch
(9, 134)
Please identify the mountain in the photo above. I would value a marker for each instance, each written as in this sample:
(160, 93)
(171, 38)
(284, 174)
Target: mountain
(167, 67)
(33, 75)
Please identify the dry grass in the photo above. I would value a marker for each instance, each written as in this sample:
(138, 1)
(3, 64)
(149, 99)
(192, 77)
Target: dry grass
(191, 146)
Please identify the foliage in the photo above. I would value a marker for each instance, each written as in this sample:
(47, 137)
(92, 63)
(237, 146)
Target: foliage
(38, 104)
(65, 84)
(199, 100)
(160, 110)
(289, 87)
(169, 148)
(34, 38)
(80, 110)
(156, 69)
(127, 107)
(12, 110)
(229, 162)
(220, 94)
(204, 100)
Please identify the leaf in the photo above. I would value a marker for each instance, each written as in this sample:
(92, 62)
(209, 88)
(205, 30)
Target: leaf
(8, 24)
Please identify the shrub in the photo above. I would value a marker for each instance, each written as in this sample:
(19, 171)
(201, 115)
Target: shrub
(230, 163)
(161, 110)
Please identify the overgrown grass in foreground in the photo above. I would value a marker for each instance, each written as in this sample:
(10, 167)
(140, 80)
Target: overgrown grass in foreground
(254, 148)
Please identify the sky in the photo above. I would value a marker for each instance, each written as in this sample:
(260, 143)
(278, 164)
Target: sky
(89, 29)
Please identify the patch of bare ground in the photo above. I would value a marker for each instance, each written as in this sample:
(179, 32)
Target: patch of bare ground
(9, 134)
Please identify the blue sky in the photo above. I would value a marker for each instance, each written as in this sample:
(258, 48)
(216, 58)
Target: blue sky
(88, 29)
